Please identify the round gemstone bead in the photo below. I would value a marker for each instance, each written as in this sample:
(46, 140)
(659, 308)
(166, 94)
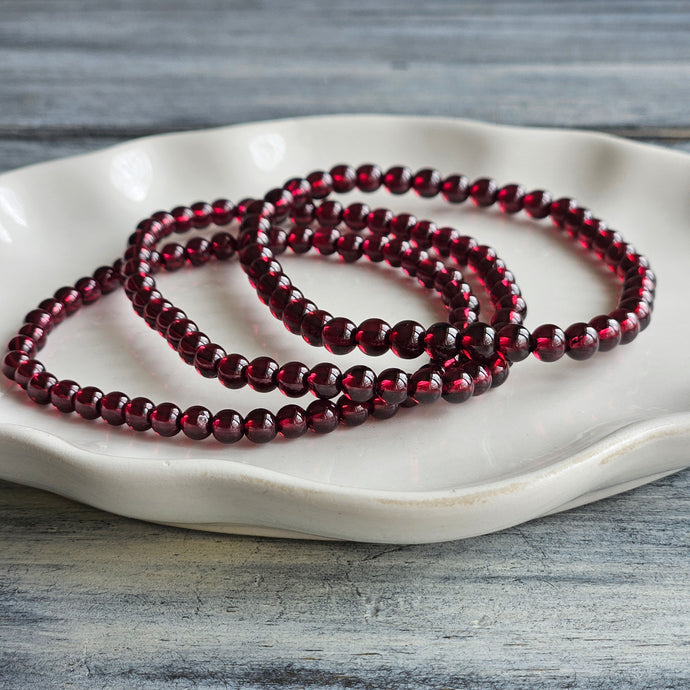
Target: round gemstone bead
(581, 341)
(206, 359)
(537, 204)
(441, 240)
(138, 413)
(427, 182)
(608, 332)
(40, 386)
(560, 208)
(369, 177)
(11, 361)
(294, 314)
(359, 383)
(196, 422)
(321, 184)
(380, 409)
(344, 178)
(379, 221)
(87, 402)
(261, 374)
(478, 340)
(356, 215)
(392, 385)
(352, 413)
(630, 324)
(458, 385)
(107, 279)
(223, 246)
(292, 379)
(372, 337)
(223, 211)
(329, 213)
(227, 426)
(350, 247)
(165, 419)
(260, 425)
(173, 256)
(401, 225)
(198, 251)
(511, 198)
(481, 377)
(426, 385)
(55, 308)
(113, 408)
(300, 190)
(326, 240)
(70, 297)
(441, 341)
(406, 339)
(339, 335)
(190, 343)
(455, 188)
(40, 318)
(322, 416)
(25, 370)
(312, 326)
(62, 395)
(232, 371)
(323, 380)
(291, 421)
(23, 343)
(398, 179)
(548, 343)
(513, 342)
(282, 201)
(281, 297)
(269, 283)
(373, 247)
(483, 192)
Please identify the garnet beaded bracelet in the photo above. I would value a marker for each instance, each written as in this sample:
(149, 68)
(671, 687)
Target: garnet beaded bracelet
(548, 342)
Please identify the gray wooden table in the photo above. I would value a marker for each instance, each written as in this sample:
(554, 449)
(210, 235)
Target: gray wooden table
(597, 597)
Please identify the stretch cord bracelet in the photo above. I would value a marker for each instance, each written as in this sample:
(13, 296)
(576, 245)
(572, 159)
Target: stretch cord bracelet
(140, 413)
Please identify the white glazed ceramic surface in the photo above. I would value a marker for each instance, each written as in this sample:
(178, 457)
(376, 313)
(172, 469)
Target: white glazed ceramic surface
(555, 436)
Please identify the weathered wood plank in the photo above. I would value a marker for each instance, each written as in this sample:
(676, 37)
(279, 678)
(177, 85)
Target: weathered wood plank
(173, 65)
(598, 597)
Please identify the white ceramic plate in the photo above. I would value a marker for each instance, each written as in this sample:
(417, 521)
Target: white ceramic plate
(555, 436)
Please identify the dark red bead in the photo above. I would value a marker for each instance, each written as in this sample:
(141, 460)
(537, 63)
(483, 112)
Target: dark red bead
(291, 421)
(608, 331)
(537, 204)
(62, 395)
(581, 341)
(223, 246)
(426, 385)
(398, 179)
(269, 283)
(326, 240)
(369, 177)
(23, 343)
(514, 303)
(640, 307)
(321, 184)
(136, 282)
(281, 297)
(481, 377)
(478, 340)
(511, 198)
(372, 337)
(458, 385)
(350, 247)
(460, 248)
(282, 202)
(198, 251)
(573, 220)
(589, 230)
(323, 380)
(294, 314)
(312, 326)
(138, 413)
(153, 309)
(260, 425)
(455, 188)
(427, 182)
(40, 318)
(630, 324)
(380, 409)
(11, 361)
(513, 341)
(616, 252)
(379, 221)
(344, 178)
(481, 258)
(173, 256)
(260, 267)
(401, 225)
(253, 251)
(441, 341)
(261, 374)
(483, 192)
(447, 275)
(223, 211)
(291, 379)
(500, 368)
(548, 343)
(461, 317)
(55, 308)
(464, 300)
(166, 318)
(393, 250)
(300, 190)
(227, 426)
(421, 233)
(603, 241)
(232, 371)
(70, 297)
(322, 416)
(261, 208)
(113, 408)
(40, 386)
(242, 206)
(427, 270)
(183, 218)
(167, 221)
(196, 422)
(352, 413)
(392, 385)
(107, 279)
(629, 261)
(142, 297)
(87, 402)
(356, 215)
(190, 343)
(203, 214)
(406, 339)
(339, 335)
(441, 240)
(329, 213)
(165, 419)
(26, 369)
(359, 383)
(373, 247)
(300, 239)
(206, 359)
(560, 208)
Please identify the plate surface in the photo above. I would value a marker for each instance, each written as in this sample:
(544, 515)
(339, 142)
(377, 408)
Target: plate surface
(555, 436)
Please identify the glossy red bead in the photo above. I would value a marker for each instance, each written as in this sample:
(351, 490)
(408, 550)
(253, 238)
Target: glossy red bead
(398, 179)
(427, 182)
(282, 201)
(173, 256)
(511, 198)
(166, 318)
(40, 386)
(372, 337)
(294, 314)
(581, 341)
(441, 341)
(374, 246)
(323, 380)
(458, 385)
(329, 213)
(107, 278)
(401, 225)
(379, 220)
(183, 216)
(312, 326)
(261, 374)
(232, 371)
(321, 184)
(153, 310)
(223, 246)
(608, 332)
(359, 383)
(291, 379)
(165, 419)
(356, 215)
(25, 370)
(326, 240)
(206, 359)
(422, 232)
(630, 324)
(190, 343)
(426, 385)
(55, 308)
(198, 251)
(70, 297)
(478, 340)
(300, 190)
(23, 343)
(113, 408)
(138, 413)
(460, 248)
(291, 421)
(537, 204)
(481, 376)
(392, 385)
(483, 192)
(40, 318)
(380, 409)
(369, 177)
(427, 270)
(560, 208)
(203, 214)
(548, 343)
(350, 247)
(352, 413)
(442, 238)
(499, 367)
(196, 422)
(227, 426)
(281, 297)
(640, 307)
(406, 339)
(455, 188)
(513, 342)
(223, 212)
(344, 178)
(269, 283)
(339, 335)
(87, 402)
(260, 425)
(62, 395)
(322, 416)
(11, 361)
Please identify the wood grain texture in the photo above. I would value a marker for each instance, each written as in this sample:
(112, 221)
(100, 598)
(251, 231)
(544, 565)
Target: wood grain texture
(598, 597)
